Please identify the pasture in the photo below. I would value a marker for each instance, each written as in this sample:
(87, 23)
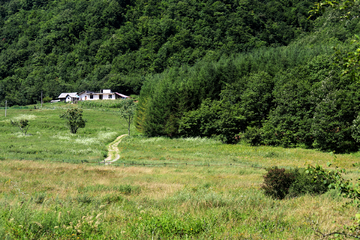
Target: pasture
(49, 139)
(160, 188)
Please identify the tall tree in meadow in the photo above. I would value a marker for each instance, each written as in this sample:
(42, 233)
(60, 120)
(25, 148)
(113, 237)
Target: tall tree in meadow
(127, 111)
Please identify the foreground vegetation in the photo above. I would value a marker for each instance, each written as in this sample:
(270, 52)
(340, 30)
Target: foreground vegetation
(206, 190)
(42, 200)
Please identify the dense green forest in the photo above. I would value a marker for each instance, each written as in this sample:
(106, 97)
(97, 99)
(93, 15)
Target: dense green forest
(73, 45)
(259, 71)
(295, 95)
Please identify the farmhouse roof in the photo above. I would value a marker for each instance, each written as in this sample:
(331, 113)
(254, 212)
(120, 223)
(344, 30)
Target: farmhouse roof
(85, 92)
(64, 95)
(122, 95)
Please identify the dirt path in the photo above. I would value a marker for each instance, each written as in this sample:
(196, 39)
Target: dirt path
(113, 154)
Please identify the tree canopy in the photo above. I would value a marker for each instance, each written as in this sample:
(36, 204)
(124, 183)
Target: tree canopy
(76, 45)
(292, 95)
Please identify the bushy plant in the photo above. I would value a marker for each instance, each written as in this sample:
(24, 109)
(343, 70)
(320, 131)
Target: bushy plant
(308, 182)
(74, 120)
(345, 188)
(277, 182)
(47, 99)
(22, 124)
(281, 183)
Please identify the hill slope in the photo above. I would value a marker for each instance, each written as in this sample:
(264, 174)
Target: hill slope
(290, 95)
(59, 46)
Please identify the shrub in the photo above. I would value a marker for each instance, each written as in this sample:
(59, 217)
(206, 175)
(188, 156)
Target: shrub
(22, 124)
(280, 183)
(277, 182)
(308, 182)
(47, 99)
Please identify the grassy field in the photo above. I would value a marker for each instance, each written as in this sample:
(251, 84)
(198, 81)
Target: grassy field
(185, 188)
(49, 139)
(206, 151)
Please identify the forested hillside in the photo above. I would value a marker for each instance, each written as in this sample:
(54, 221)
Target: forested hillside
(293, 95)
(73, 45)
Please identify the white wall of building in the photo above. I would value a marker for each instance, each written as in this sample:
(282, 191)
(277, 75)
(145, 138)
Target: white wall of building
(109, 96)
(95, 97)
(106, 90)
(86, 96)
(82, 97)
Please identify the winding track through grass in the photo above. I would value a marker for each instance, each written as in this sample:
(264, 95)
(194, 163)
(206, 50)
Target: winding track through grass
(113, 154)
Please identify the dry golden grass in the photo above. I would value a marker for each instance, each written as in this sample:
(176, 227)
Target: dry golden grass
(230, 195)
(63, 179)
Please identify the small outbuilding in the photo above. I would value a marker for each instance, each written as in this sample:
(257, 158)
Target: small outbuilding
(68, 97)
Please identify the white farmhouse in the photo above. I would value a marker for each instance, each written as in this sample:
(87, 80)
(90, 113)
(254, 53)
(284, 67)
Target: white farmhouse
(104, 94)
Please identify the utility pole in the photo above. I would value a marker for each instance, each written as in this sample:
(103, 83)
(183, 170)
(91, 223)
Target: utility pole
(41, 98)
(5, 107)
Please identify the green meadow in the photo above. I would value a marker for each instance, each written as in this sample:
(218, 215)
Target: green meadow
(49, 139)
(53, 187)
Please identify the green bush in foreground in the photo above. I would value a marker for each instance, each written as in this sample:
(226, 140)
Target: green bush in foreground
(280, 183)
(277, 182)
(308, 182)
(347, 189)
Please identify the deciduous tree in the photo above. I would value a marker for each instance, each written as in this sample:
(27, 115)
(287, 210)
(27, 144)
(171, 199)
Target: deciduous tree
(22, 124)
(127, 111)
(74, 119)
